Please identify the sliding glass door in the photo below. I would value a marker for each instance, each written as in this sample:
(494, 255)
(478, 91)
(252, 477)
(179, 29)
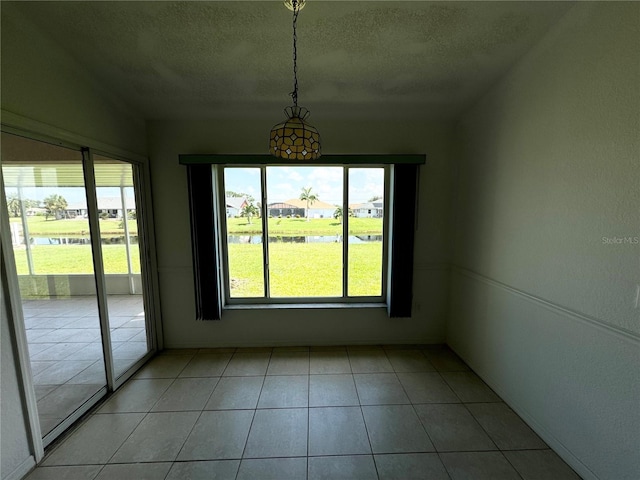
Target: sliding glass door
(44, 188)
(121, 234)
(73, 223)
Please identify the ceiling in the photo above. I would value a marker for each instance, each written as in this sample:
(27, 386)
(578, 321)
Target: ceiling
(233, 59)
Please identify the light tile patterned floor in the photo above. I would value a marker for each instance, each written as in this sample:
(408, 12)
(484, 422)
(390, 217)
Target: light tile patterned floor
(65, 349)
(309, 413)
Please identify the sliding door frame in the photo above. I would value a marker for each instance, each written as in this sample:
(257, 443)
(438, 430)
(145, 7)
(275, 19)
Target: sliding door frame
(26, 128)
(98, 265)
(13, 300)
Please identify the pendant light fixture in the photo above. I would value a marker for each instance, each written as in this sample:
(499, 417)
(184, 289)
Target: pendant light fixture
(295, 139)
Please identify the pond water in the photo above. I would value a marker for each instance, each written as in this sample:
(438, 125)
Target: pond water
(133, 239)
(247, 239)
(254, 239)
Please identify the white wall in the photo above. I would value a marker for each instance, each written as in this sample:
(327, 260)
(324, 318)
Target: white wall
(543, 308)
(48, 92)
(294, 327)
(42, 83)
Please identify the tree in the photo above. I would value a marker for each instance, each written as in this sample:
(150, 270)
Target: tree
(54, 204)
(249, 210)
(308, 197)
(131, 215)
(374, 198)
(14, 204)
(337, 214)
(246, 196)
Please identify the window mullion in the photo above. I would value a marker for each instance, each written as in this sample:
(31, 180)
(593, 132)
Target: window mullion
(223, 226)
(345, 232)
(265, 230)
(386, 208)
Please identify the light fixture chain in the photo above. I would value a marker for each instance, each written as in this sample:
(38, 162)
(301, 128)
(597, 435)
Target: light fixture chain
(295, 139)
(294, 94)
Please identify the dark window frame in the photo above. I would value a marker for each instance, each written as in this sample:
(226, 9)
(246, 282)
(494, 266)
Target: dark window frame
(311, 300)
(209, 298)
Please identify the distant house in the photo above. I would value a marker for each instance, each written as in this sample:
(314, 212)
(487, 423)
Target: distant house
(295, 206)
(284, 209)
(235, 205)
(112, 206)
(74, 210)
(36, 211)
(367, 210)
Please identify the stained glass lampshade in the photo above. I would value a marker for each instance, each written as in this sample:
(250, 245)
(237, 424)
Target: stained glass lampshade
(295, 139)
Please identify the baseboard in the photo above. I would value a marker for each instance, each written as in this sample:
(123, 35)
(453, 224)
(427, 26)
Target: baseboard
(478, 356)
(22, 470)
(427, 341)
(557, 446)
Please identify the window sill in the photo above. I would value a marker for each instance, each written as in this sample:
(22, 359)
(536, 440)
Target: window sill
(301, 306)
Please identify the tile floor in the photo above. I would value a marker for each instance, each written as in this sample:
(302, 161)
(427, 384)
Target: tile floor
(308, 413)
(65, 349)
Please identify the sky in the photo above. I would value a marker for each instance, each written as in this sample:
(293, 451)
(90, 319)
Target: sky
(284, 183)
(73, 195)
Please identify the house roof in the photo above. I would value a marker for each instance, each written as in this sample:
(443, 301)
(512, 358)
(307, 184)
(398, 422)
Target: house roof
(105, 203)
(235, 202)
(280, 205)
(367, 205)
(317, 205)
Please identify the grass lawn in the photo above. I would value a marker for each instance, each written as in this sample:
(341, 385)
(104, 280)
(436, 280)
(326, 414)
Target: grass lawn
(305, 269)
(38, 226)
(296, 269)
(65, 259)
(300, 226)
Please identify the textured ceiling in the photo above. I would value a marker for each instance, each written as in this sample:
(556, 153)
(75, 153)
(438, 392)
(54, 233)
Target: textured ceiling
(233, 59)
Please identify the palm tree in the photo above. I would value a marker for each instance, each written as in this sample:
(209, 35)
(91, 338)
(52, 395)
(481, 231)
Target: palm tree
(337, 214)
(249, 210)
(309, 197)
(14, 205)
(54, 203)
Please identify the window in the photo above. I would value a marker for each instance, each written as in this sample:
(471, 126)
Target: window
(264, 233)
(285, 230)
